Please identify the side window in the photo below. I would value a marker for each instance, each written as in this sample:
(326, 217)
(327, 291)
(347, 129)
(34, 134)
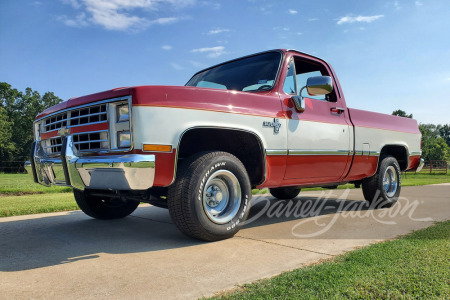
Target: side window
(289, 86)
(305, 69)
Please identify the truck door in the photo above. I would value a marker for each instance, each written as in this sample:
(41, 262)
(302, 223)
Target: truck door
(319, 139)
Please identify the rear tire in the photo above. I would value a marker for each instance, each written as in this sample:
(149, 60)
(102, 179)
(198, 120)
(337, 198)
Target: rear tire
(383, 188)
(104, 208)
(285, 192)
(210, 198)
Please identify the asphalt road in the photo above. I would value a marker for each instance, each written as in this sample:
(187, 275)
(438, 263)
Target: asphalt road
(144, 256)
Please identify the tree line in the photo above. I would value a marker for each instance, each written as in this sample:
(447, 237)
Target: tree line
(17, 113)
(435, 139)
(19, 109)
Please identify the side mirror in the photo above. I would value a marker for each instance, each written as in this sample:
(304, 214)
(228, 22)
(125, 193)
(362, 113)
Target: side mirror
(319, 85)
(316, 86)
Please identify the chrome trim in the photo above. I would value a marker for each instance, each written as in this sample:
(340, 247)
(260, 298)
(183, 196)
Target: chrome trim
(421, 164)
(115, 126)
(276, 152)
(371, 153)
(415, 153)
(112, 172)
(318, 152)
(86, 142)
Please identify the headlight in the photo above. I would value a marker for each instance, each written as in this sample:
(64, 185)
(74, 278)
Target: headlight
(123, 113)
(124, 138)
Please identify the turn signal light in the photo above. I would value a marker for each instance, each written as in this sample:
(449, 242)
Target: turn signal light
(157, 148)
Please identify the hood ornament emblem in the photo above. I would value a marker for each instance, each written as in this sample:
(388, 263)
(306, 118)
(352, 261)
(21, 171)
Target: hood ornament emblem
(275, 124)
(64, 131)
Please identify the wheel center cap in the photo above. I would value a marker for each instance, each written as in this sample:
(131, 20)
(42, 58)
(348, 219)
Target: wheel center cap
(219, 196)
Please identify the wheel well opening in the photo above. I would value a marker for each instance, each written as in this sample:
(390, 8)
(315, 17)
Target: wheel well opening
(399, 152)
(244, 145)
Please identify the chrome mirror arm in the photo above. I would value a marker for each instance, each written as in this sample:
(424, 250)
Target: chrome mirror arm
(299, 101)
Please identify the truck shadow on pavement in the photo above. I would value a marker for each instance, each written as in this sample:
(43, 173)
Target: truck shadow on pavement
(55, 240)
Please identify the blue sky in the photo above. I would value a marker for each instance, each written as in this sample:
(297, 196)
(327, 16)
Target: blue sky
(387, 54)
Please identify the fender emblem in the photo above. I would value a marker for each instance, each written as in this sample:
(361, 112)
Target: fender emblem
(275, 124)
(64, 131)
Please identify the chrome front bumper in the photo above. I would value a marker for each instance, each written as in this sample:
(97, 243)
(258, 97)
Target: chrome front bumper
(113, 172)
(420, 166)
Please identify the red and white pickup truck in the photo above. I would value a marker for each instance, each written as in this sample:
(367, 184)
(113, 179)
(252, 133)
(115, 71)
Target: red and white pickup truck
(275, 119)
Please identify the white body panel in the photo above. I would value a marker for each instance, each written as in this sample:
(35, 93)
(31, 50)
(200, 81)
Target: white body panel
(378, 138)
(165, 125)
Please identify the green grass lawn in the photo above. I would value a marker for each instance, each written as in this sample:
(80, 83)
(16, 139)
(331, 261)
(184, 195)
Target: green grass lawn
(36, 203)
(17, 184)
(416, 266)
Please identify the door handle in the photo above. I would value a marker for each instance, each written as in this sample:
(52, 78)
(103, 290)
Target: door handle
(337, 110)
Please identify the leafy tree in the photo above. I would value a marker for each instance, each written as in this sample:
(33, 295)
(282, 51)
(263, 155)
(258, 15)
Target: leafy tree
(444, 132)
(434, 145)
(401, 113)
(438, 150)
(7, 147)
(19, 112)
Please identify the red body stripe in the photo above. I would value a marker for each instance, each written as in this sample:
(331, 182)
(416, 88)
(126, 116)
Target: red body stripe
(78, 129)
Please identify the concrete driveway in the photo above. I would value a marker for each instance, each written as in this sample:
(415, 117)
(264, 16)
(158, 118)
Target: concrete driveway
(144, 256)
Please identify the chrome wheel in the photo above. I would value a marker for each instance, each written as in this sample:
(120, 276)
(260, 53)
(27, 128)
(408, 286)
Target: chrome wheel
(390, 181)
(222, 197)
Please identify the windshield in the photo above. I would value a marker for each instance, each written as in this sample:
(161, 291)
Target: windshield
(254, 73)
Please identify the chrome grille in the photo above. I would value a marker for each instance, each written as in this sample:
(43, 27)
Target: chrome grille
(79, 116)
(84, 142)
(91, 141)
(52, 146)
(104, 140)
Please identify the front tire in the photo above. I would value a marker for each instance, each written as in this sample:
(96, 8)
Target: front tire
(104, 208)
(283, 193)
(210, 198)
(383, 188)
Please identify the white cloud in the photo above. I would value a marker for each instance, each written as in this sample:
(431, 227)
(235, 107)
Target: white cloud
(292, 11)
(211, 51)
(213, 5)
(166, 47)
(313, 19)
(218, 30)
(418, 3)
(279, 28)
(364, 19)
(176, 66)
(164, 21)
(79, 21)
(397, 5)
(74, 3)
(120, 14)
